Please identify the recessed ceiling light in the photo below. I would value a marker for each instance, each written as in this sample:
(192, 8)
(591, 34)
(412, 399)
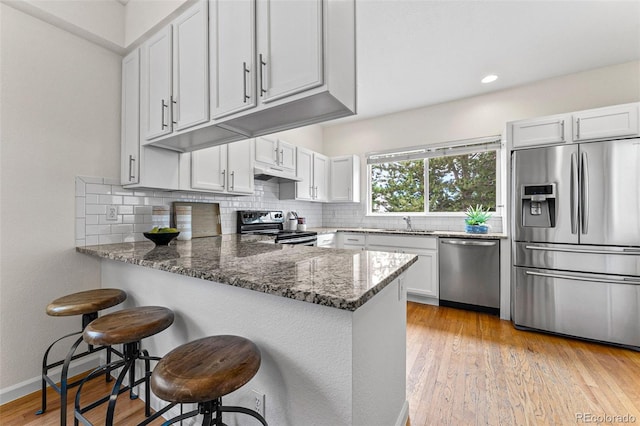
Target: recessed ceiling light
(490, 78)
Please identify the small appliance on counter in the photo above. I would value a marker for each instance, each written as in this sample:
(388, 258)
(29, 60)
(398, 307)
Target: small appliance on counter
(292, 221)
(302, 224)
(264, 222)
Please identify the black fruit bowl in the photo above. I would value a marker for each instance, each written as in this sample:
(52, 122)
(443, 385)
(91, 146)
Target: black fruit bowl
(161, 238)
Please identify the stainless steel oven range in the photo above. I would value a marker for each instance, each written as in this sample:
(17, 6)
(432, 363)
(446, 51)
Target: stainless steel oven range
(271, 222)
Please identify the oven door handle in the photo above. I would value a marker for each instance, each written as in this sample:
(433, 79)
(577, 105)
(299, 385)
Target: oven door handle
(301, 240)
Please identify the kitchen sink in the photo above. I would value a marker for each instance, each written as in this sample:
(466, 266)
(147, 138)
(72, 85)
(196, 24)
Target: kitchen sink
(399, 230)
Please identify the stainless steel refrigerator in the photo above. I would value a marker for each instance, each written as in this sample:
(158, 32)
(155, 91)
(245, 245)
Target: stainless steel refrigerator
(576, 240)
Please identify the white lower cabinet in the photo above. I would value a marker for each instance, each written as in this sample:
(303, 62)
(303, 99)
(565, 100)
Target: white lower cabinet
(327, 240)
(352, 241)
(223, 168)
(422, 277)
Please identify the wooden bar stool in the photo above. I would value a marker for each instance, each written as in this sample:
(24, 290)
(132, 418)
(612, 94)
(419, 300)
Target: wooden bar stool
(85, 303)
(202, 372)
(127, 327)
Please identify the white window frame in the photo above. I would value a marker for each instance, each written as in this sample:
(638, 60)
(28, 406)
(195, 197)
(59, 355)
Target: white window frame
(461, 147)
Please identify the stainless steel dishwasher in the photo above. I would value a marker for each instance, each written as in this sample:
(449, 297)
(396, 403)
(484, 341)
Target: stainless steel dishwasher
(469, 272)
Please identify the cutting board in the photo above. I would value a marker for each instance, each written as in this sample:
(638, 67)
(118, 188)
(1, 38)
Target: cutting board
(205, 218)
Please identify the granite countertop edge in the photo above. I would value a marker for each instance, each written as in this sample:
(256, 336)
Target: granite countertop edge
(256, 282)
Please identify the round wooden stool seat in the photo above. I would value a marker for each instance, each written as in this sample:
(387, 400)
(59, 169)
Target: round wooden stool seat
(205, 369)
(128, 325)
(86, 302)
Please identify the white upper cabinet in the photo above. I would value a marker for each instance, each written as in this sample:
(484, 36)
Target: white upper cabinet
(313, 170)
(321, 167)
(345, 179)
(289, 47)
(618, 121)
(240, 159)
(156, 85)
(541, 131)
(191, 68)
(274, 65)
(223, 168)
(175, 75)
(141, 167)
(130, 128)
(232, 56)
(276, 154)
(604, 123)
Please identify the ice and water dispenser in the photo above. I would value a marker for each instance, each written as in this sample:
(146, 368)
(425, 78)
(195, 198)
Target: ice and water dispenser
(539, 205)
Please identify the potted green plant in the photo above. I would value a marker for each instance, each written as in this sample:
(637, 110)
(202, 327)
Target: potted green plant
(476, 219)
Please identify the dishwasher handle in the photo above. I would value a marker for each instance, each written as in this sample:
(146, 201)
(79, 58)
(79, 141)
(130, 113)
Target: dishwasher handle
(469, 243)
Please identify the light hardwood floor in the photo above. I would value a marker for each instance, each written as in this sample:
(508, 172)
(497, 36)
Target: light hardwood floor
(466, 368)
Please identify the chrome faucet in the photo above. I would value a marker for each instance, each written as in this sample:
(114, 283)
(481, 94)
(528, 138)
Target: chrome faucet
(408, 220)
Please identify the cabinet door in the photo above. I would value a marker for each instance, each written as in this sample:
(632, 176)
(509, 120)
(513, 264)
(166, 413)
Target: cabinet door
(290, 52)
(130, 137)
(240, 157)
(156, 84)
(341, 178)
(287, 156)
(320, 177)
(209, 168)
(190, 102)
(542, 131)
(232, 56)
(304, 188)
(603, 123)
(266, 150)
(422, 276)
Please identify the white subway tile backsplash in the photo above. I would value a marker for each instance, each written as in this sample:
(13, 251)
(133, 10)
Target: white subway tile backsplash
(96, 209)
(80, 203)
(80, 228)
(80, 187)
(91, 219)
(102, 220)
(125, 209)
(122, 229)
(110, 199)
(91, 199)
(97, 188)
(98, 229)
(110, 239)
(91, 240)
(141, 210)
(133, 200)
(128, 218)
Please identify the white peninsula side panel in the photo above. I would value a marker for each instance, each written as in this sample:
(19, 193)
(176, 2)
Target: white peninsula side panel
(320, 365)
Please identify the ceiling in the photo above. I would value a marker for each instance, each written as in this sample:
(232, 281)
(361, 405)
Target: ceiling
(414, 53)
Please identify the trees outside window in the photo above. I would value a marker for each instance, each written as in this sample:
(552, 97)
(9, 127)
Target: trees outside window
(452, 184)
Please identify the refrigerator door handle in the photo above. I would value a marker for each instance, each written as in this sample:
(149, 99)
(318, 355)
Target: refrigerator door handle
(634, 252)
(574, 194)
(583, 278)
(584, 191)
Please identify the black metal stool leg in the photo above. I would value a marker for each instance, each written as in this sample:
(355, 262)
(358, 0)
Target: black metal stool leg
(116, 387)
(63, 381)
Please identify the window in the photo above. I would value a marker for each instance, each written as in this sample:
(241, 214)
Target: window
(444, 179)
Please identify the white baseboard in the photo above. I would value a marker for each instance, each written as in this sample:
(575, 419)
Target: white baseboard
(404, 415)
(422, 299)
(33, 385)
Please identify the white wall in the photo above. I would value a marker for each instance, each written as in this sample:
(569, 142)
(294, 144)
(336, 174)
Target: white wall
(60, 118)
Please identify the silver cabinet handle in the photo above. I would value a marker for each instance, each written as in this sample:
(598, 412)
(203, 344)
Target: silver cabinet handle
(262, 65)
(281, 157)
(562, 130)
(277, 156)
(131, 161)
(245, 71)
(584, 251)
(173, 113)
(469, 243)
(583, 278)
(315, 189)
(578, 128)
(224, 178)
(164, 106)
(584, 192)
(233, 180)
(574, 194)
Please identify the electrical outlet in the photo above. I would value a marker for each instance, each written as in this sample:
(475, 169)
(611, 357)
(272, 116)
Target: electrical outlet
(259, 400)
(112, 213)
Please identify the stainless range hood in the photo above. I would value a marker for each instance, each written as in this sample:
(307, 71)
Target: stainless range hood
(266, 173)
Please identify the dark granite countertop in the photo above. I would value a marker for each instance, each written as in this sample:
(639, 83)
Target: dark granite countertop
(343, 279)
